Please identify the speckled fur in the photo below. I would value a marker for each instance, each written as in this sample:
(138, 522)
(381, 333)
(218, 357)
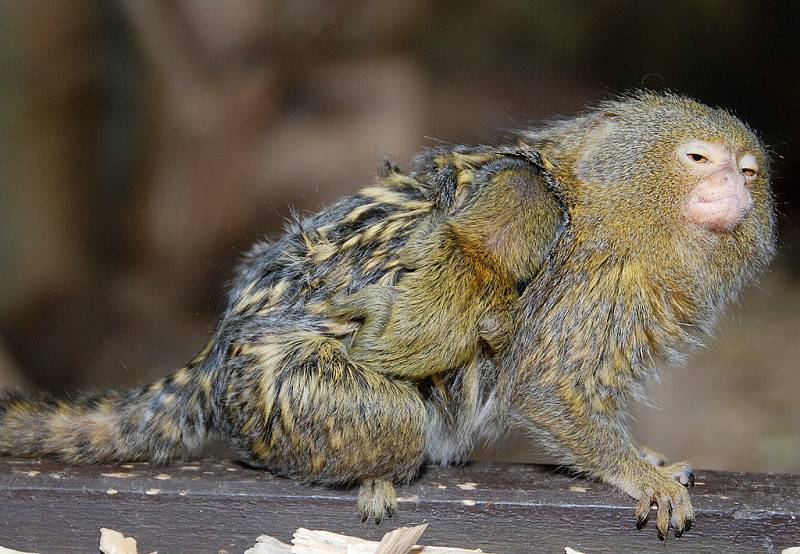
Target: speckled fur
(533, 285)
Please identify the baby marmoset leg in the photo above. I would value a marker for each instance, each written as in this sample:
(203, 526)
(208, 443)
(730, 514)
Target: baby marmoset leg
(302, 409)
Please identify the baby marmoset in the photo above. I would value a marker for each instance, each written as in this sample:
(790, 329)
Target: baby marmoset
(534, 285)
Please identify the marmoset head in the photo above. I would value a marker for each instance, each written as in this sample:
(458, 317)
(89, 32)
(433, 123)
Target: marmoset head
(668, 181)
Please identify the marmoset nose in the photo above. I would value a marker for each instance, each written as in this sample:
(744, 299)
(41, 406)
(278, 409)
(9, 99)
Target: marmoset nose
(732, 179)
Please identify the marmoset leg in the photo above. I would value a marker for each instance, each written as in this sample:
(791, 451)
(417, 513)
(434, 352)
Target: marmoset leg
(302, 409)
(596, 442)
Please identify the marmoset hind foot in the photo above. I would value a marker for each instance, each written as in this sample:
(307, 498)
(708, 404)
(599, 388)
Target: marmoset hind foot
(376, 499)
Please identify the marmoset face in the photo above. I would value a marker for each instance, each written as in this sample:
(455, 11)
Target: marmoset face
(724, 174)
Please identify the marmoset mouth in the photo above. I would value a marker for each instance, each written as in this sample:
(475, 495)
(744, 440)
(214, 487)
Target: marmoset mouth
(721, 213)
(728, 198)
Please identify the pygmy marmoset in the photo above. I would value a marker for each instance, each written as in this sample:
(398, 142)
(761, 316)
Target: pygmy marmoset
(536, 285)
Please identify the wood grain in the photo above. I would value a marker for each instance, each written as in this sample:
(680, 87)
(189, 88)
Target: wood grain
(219, 506)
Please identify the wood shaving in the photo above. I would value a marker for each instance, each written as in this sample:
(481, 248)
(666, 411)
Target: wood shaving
(269, 545)
(400, 540)
(308, 541)
(4, 550)
(114, 542)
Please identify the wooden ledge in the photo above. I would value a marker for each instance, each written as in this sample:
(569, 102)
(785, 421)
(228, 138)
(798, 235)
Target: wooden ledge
(218, 506)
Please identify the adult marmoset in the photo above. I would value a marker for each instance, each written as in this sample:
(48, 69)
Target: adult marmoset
(536, 284)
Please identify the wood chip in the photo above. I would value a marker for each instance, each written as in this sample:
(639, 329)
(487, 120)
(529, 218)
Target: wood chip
(308, 541)
(269, 545)
(114, 542)
(400, 541)
(4, 550)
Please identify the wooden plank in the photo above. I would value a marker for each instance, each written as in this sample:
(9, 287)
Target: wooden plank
(219, 506)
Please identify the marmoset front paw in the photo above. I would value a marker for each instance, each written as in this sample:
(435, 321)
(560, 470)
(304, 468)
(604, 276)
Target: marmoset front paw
(665, 488)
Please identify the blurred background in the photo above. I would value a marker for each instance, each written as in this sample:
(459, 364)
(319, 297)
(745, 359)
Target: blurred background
(144, 144)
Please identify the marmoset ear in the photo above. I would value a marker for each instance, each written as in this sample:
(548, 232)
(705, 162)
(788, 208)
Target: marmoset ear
(593, 154)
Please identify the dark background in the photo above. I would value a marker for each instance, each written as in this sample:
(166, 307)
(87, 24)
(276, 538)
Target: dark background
(144, 144)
